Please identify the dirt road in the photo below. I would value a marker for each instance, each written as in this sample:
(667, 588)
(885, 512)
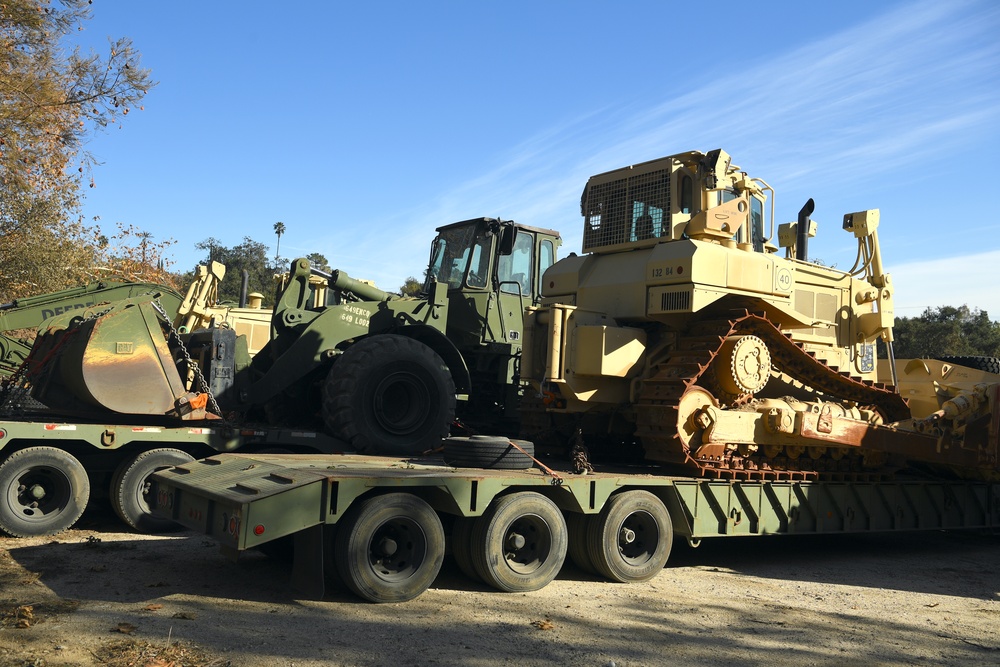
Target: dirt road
(94, 596)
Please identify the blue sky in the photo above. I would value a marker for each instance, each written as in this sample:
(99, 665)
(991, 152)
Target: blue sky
(363, 126)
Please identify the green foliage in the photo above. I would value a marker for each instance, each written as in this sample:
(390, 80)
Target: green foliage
(53, 100)
(319, 261)
(411, 287)
(250, 255)
(947, 331)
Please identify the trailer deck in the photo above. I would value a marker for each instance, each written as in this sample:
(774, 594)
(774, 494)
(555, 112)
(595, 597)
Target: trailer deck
(249, 500)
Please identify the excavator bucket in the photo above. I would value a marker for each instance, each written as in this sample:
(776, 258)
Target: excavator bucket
(117, 360)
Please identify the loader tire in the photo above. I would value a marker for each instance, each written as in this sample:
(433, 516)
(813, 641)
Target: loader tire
(986, 364)
(43, 491)
(389, 394)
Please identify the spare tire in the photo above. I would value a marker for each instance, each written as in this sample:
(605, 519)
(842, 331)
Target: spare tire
(488, 451)
(987, 364)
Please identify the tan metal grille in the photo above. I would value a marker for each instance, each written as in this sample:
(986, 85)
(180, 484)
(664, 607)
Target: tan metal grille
(626, 210)
(675, 301)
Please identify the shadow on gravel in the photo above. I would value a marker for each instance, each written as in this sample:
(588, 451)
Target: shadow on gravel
(96, 558)
(936, 562)
(180, 586)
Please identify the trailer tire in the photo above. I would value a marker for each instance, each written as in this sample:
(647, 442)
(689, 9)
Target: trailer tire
(461, 546)
(487, 451)
(986, 364)
(577, 525)
(389, 548)
(519, 543)
(43, 491)
(389, 394)
(630, 539)
(130, 486)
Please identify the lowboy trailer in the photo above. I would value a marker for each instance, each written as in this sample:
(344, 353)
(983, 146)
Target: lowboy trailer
(382, 526)
(51, 467)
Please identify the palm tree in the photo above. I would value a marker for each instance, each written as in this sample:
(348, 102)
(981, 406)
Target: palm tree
(279, 229)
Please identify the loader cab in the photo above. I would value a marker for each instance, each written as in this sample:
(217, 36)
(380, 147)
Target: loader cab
(493, 270)
(486, 254)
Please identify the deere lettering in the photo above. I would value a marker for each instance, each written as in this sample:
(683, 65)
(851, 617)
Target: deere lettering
(59, 310)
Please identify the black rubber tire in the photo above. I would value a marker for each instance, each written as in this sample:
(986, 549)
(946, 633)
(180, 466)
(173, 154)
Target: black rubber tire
(389, 394)
(130, 488)
(487, 451)
(389, 548)
(461, 546)
(630, 539)
(577, 525)
(43, 491)
(519, 544)
(987, 364)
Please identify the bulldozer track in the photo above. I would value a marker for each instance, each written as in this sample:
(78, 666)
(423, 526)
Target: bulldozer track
(688, 364)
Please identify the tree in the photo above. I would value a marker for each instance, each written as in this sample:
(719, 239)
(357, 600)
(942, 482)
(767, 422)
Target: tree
(318, 261)
(411, 287)
(250, 255)
(947, 331)
(279, 229)
(131, 254)
(53, 101)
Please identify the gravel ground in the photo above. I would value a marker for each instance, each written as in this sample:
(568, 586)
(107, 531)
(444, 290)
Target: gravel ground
(95, 596)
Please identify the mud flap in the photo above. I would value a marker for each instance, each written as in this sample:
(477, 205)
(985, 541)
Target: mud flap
(307, 565)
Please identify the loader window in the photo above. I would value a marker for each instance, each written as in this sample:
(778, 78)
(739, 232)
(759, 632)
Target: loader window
(479, 267)
(548, 256)
(514, 270)
(450, 255)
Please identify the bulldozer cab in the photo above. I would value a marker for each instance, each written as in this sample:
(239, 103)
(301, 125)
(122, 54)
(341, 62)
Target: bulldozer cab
(686, 196)
(493, 270)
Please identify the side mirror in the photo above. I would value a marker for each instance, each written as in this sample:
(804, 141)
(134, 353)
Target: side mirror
(507, 236)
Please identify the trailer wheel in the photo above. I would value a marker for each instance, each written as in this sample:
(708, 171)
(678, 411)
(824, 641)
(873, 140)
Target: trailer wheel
(519, 544)
(389, 548)
(130, 488)
(987, 364)
(630, 539)
(461, 546)
(389, 394)
(488, 451)
(43, 491)
(577, 525)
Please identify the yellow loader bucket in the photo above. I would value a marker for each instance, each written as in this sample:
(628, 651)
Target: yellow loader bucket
(118, 361)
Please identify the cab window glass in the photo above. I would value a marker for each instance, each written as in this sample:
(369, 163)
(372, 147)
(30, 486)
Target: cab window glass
(479, 267)
(757, 224)
(514, 270)
(687, 194)
(547, 258)
(450, 256)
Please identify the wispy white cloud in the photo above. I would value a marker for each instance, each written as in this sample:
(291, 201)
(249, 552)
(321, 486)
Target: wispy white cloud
(883, 99)
(951, 281)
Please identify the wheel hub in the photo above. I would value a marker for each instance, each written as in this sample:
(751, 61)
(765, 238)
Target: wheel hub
(637, 537)
(388, 546)
(516, 541)
(526, 544)
(401, 403)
